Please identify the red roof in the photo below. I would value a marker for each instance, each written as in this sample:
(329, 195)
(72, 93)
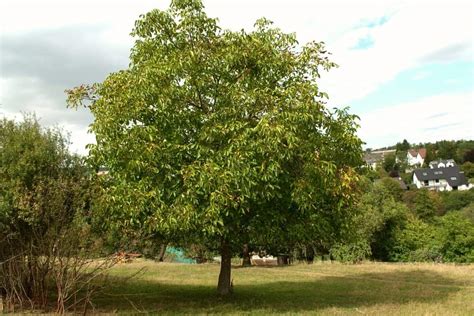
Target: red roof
(415, 152)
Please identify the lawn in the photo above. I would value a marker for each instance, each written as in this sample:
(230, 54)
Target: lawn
(321, 288)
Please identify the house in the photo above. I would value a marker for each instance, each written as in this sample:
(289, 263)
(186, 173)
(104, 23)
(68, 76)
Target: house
(442, 163)
(374, 158)
(441, 179)
(416, 157)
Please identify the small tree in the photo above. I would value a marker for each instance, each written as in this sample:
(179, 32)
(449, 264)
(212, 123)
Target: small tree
(424, 205)
(390, 162)
(212, 133)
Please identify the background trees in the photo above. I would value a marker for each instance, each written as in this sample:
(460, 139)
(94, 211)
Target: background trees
(212, 133)
(390, 224)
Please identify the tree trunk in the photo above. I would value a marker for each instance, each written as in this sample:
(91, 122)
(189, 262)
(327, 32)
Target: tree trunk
(246, 256)
(161, 256)
(309, 254)
(282, 260)
(224, 286)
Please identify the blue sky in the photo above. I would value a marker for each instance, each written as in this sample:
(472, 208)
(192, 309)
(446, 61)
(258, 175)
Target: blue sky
(406, 66)
(418, 82)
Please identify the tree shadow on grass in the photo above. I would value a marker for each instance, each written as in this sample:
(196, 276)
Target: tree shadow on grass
(312, 294)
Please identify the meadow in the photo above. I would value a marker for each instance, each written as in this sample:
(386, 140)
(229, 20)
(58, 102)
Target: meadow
(324, 288)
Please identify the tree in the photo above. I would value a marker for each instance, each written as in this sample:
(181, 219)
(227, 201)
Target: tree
(468, 169)
(403, 146)
(213, 133)
(393, 186)
(469, 156)
(457, 238)
(447, 150)
(456, 200)
(390, 162)
(424, 205)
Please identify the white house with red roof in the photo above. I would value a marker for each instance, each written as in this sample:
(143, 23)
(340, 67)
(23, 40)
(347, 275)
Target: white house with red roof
(416, 157)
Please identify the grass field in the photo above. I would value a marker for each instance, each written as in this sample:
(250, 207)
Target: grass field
(321, 288)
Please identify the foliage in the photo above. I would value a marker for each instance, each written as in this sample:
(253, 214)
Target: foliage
(403, 146)
(393, 187)
(469, 155)
(455, 200)
(468, 169)
(468, 212)
(460, 150)
(446, 150)
(456, 237)
(199, 252)
(416, 241)
(377, 216)
(352, 252)
(44, 219)
(390, 163)
(210, 132)
(449, 239)
(424, 205)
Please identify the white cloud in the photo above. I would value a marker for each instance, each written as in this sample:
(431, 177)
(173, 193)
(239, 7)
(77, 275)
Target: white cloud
(79, 138)
(446, 116)
(416, 32)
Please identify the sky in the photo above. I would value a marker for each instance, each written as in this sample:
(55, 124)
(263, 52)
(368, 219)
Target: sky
(406, 68)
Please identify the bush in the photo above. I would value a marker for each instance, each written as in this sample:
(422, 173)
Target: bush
(44, 220)
(455, 200)
(353, 252)
(468, 168)
(393, 187)
(468, 212)
(456, 235)
(416, 241)
(449, 238)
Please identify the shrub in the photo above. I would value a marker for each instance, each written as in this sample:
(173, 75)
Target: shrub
(353, 252)
(44, 213)
(456, 235)
(416, 241)
(455, 200)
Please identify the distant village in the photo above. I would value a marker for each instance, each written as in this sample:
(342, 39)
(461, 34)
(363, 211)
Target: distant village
(437, 174)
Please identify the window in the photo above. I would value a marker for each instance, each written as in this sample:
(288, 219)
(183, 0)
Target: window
(426, 182)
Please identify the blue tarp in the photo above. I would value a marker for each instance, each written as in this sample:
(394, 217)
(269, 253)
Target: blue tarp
(178, 255)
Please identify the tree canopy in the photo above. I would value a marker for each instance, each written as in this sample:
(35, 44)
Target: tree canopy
(212, 132)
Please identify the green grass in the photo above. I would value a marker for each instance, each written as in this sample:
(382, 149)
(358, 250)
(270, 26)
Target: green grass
(320, 288)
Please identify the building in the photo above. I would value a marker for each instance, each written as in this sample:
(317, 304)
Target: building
(441, 179)
(375, 158)
(416, 157)
(442, 163)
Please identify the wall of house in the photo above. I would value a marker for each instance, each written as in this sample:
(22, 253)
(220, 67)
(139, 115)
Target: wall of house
(414, 160)
(417, 182)
(442, 185)
(465, 187)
